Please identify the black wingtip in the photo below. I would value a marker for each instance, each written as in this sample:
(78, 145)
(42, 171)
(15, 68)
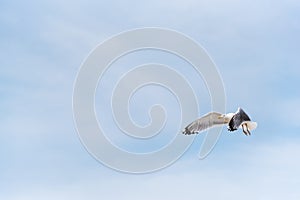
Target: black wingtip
(186, 131)
(231, 129)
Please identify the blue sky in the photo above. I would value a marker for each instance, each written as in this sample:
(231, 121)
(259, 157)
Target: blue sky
(255, 45)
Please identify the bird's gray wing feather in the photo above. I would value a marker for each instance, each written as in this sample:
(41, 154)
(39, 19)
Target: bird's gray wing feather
(205, 122)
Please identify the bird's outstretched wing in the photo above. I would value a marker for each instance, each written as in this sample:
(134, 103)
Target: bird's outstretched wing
(239, 117)
(205, 122)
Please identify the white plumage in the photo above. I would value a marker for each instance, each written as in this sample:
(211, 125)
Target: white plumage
(234, 121)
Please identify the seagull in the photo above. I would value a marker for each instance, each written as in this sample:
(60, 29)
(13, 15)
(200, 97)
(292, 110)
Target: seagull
(234, 121)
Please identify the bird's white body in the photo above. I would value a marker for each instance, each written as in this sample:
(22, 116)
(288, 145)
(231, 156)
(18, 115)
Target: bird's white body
(251, 125)
(228, 116)
(234, 121)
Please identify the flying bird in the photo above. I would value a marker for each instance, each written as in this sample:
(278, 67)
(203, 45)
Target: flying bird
(234, 121)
